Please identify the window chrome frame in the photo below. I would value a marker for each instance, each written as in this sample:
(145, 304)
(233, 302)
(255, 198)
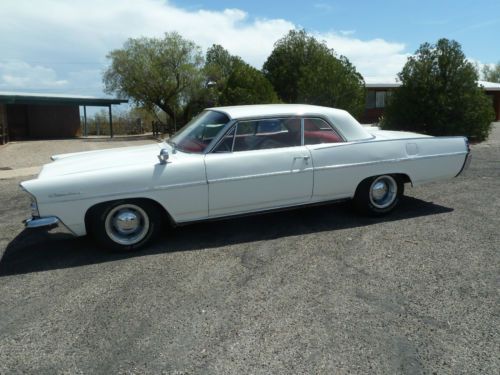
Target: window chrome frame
(217, 140)
(233, 123)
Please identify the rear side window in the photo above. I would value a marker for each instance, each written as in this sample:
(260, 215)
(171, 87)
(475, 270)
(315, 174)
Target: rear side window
(318, 131)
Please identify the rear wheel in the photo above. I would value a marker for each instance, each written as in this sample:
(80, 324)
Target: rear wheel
(378, 195)
(126, 225)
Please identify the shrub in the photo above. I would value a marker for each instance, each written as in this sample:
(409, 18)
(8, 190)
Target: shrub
(439, 95)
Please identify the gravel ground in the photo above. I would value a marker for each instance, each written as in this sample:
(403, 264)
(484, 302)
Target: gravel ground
(316, 290)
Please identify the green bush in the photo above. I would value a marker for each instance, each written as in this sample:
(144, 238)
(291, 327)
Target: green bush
(439, 95)
(304, 70)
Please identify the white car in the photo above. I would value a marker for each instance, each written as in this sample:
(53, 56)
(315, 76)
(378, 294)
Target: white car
(232, 161)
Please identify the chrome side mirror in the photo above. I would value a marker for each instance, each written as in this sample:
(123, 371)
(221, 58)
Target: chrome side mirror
(163, 156)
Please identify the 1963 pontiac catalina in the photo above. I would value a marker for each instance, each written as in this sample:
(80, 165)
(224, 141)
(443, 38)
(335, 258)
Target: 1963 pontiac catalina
(237, 160)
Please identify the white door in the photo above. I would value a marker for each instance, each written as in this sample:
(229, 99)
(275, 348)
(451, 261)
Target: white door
(266, 167)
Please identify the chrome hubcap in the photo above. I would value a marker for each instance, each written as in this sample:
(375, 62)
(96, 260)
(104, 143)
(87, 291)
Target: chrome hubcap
(127, 224)
(379, 190)
(126, 221)
(383, 191)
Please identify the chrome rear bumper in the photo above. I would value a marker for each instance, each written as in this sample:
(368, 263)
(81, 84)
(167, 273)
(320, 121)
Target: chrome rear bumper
(40, 222)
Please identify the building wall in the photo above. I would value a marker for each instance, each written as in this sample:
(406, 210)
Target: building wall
(42, 121)
(371, 115)
(17, 121)
(375, 107)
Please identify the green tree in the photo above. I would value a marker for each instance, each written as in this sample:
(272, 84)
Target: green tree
(218, 65)
(491, 74)
(153, 72)
(439, 95)
(235, 82)
(247, 85)
(302, 69)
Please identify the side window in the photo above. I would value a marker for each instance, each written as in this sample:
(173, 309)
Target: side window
(267, 133)
(226, 144)
(319, 131)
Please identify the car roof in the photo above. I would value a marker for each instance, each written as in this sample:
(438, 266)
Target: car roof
(348, 126)
(244, 111)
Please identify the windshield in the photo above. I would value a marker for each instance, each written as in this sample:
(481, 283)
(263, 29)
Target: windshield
(199, 132)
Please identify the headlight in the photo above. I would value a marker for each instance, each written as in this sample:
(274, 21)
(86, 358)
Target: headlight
(33, 204)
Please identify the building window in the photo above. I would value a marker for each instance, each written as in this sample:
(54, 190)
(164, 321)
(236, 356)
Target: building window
(380, 99)
(377, 99)
(370, 99)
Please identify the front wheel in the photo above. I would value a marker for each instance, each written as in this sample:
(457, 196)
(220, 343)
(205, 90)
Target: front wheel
(378, 195)
(125, 226)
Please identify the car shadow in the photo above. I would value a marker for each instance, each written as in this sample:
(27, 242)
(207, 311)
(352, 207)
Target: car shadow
(39, 250)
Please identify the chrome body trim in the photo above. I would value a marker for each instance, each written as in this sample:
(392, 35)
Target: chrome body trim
(163, 156)
(336, 166)
(262, 211)
(375, 140)
(281, 173)
(233, 122)
(136, 191)
(41, 222)
(215, 142)
(302, 131)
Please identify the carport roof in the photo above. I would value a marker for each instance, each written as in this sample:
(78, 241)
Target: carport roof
(37, 98)
(373, 84)
(489, 86)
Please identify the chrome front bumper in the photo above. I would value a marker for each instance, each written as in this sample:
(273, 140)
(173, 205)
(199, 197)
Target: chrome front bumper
(40, 222)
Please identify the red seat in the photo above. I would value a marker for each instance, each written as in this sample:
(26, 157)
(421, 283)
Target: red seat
(322, 136)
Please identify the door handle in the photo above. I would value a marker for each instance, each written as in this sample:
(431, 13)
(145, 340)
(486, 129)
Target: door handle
(303, 157)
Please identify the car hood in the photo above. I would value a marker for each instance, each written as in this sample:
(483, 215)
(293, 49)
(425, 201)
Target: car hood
(81, 162)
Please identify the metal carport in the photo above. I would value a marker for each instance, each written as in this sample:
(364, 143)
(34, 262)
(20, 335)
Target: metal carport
(35, 115)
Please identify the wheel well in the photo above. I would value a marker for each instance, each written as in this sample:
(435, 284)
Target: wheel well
(404, 177)
(95, 208)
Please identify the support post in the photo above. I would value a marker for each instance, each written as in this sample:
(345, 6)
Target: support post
(3, 119)
(110, 122)
(497, 105)
(85, 132)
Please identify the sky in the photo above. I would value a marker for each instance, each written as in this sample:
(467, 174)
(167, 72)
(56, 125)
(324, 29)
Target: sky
(57, 46)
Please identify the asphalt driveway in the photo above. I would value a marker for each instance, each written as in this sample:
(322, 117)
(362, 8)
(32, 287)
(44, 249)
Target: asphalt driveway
(316, 290)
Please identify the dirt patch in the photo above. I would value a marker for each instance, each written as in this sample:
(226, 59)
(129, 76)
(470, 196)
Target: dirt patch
(25, 154)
